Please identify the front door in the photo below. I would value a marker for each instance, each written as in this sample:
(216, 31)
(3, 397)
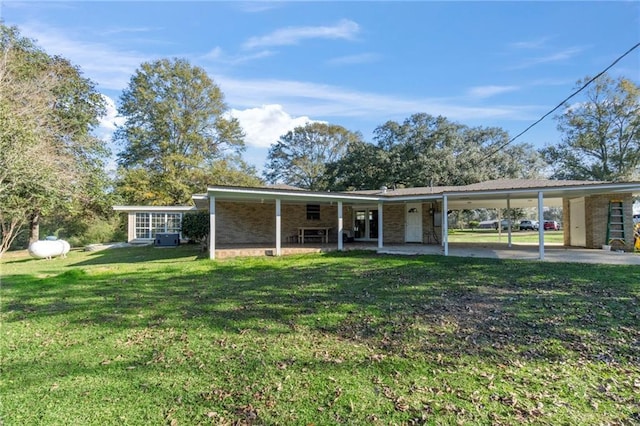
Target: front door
(365, 224)
(413, 223)
(577, 233)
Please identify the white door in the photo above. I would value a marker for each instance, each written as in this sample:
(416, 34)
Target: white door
(577, 233)
(413, 223)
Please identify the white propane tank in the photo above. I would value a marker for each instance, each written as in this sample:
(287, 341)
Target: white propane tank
(46, 249)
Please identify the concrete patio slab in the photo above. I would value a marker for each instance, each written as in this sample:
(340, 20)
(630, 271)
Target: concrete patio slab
(552, 253)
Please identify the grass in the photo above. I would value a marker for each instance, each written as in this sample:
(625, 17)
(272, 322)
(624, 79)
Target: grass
(492, 236)
(161, 336)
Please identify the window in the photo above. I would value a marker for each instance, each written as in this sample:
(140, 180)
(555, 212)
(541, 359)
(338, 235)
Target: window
(149, 224)
(313, 212)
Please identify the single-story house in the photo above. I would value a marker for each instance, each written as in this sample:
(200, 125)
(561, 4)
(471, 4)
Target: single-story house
(280, 215)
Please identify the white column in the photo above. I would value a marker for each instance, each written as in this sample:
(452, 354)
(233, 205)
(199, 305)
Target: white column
(380, 236)
(278, 228)
(445, 225)
(212, 227)
(131, 226)
(340, 226)
(509, 221)
(541, 225)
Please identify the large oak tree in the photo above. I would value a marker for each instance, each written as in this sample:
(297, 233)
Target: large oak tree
(601, 134)
(175, 134)
(425, 150)
(49, 159)
(300, 157)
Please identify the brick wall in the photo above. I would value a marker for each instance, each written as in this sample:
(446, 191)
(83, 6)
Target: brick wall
(597, 215)
(566, 222)
(393, 218)
(246, 223)
(430, 234)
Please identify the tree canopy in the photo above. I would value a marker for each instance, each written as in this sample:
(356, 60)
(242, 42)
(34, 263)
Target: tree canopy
(49, 160)
(425, 150)
(176, 129)
(601, 135)
(300, 157)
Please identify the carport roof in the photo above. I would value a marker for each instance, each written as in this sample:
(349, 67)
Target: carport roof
(486, 193)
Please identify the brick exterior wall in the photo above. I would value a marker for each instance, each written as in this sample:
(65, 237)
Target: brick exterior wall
(566, 222)
(597, 216)
(393, 222)
(431, 232)
(255, 223)
(596, 219)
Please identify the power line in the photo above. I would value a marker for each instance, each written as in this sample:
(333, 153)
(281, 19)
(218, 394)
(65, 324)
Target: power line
(584, 86)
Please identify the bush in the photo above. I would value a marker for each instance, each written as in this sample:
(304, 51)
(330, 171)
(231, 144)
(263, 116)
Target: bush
(195, 226)
(473, 224)
(81, 232)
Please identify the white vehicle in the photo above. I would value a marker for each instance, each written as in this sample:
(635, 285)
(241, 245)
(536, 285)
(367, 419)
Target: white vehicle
(530, 225)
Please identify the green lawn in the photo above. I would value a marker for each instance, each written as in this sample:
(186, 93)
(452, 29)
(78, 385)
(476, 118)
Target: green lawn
(145, 336)
(492, 236)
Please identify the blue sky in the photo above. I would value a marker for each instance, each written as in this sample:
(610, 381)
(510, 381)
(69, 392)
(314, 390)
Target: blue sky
(356, 64)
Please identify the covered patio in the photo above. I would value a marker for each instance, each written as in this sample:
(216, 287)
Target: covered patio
(274, 217)
(553, 253)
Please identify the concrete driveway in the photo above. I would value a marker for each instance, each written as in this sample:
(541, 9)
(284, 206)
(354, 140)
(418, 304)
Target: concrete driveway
(552, 253)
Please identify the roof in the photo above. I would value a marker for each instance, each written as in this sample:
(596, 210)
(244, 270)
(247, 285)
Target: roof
(488, 194)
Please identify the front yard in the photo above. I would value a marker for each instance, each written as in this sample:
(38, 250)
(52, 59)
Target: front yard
(141, 336)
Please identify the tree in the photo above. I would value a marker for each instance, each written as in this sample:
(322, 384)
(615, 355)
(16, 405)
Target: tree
(48, 158)
(175, 128)
(601, 136)
(300, 157)
(195, 226)
(426, 150)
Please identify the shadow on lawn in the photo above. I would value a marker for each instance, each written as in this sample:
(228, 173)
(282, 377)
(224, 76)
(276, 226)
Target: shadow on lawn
(142, 254)
(402, 306)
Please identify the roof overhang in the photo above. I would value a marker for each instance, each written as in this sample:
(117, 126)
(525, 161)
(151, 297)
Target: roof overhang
(151, 209)
(528, 197)
(267, 194)
(553, 192)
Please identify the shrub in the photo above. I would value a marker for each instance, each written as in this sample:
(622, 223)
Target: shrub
(195, 226)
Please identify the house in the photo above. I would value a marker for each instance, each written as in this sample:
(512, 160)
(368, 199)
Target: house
(281, 215)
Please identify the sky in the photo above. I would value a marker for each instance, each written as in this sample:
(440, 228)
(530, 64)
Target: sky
(356, 64)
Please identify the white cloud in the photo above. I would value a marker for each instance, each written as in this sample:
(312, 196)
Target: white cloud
(327, 101)
(530, 44)
(345, 29)
(111, 119)
(559, 56)
(264, 126)
(97, 59)
(488, 91)
(363, 58)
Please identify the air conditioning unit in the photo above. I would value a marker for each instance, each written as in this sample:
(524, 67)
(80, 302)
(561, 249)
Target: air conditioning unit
(167, 240)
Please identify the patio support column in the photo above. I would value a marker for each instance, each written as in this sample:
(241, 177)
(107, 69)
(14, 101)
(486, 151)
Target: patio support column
(541, 225)
(509, 222)
(380, 221)
(278, 228)
(212, 227)
(340, 229)
(445, 224)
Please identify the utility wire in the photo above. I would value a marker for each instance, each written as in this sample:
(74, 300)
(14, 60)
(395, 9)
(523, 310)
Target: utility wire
(584, 86)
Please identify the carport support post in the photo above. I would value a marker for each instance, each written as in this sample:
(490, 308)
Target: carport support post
(212, 227)
(278, 228)
(508, 222)
(445, 224)
(340, 229)
(541, 225)
(380, 221)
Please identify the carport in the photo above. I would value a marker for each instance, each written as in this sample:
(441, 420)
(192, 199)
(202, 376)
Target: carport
(572, 196)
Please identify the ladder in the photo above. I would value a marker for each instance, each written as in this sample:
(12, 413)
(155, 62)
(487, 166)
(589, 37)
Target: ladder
(615, 224)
